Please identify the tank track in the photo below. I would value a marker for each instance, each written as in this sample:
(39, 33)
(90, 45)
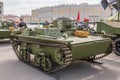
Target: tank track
(114, 46)
(67, 61)
(65, 49)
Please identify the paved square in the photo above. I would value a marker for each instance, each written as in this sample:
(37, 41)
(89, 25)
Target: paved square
(12, 69)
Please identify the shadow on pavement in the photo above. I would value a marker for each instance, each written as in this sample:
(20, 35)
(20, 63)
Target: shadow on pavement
(86, 71)
(5, 43)
(16, 70)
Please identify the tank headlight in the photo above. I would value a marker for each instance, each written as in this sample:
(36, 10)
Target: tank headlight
(65, 35)
(103, 32)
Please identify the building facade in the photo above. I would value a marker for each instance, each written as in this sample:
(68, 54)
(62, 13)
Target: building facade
(34, 16)
(11, 17)
(94, 12)
(1, 10)
(26, 18)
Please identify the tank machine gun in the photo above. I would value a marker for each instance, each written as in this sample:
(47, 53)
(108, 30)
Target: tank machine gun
(56, 47)
(111, 27)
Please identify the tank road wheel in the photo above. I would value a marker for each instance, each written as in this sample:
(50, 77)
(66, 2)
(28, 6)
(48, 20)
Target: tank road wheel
(116, 46)
(42, 62)
(24, 55)
(46, 64)
(37, 60)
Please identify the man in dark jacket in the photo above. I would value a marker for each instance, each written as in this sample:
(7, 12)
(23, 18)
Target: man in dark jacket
(22, 24)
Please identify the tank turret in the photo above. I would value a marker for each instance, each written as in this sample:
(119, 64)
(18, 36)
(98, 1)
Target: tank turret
(64, 23)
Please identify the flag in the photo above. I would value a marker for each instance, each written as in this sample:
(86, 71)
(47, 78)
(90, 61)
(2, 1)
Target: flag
(78, 16)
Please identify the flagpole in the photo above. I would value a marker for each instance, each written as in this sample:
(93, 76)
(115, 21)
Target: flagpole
(118, 10)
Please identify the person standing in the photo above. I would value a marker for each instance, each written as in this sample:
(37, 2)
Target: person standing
(15, 25)
(22, 24)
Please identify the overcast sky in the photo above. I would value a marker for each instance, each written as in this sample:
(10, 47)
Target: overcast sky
(21, 7)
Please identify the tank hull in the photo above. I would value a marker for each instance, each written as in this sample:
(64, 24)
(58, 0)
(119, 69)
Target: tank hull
(82, 50)
(111, 30)
(4, 34)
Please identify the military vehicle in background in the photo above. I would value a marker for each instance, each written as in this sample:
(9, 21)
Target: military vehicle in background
(111, 26)
(57, 46)
(5, 29)
(111, 30)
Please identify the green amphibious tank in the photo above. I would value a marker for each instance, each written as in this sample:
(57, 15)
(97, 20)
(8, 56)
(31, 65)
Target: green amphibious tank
(5, 29)
(58, 45)
(111, 30)
(111, 27)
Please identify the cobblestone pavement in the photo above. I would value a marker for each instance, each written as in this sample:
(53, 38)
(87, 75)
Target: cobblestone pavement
(12, 69)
